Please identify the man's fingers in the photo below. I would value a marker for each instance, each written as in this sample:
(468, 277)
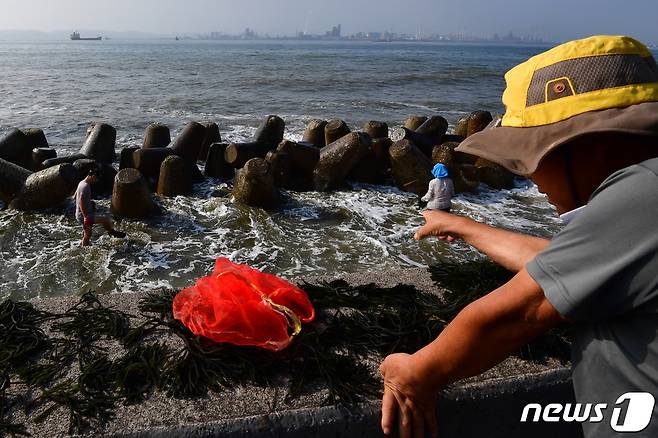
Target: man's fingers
(429, 414)
(404, 416)
(432, 225)
(422, 232)
(419, 422)
(426, 231)
(389, 409)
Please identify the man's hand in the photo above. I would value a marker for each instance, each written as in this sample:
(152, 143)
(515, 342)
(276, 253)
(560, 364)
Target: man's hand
(413, 402)
(483, 334)
(439, 224)
(507, 248)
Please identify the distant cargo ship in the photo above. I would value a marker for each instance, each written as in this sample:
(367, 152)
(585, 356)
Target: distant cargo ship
(75, 36)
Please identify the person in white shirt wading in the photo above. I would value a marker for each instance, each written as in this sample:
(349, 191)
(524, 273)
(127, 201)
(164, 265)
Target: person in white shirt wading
(85, 210)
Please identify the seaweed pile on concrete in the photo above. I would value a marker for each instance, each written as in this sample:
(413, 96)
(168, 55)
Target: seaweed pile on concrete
(62, 359)
(40, 349)
(465, 282)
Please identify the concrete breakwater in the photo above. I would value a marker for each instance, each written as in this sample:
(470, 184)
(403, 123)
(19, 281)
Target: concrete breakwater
(240, 406)
(33, 177)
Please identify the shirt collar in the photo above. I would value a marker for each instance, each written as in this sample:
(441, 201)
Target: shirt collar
(571, 215)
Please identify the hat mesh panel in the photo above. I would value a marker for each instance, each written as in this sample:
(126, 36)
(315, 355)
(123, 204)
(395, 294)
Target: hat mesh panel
(594, 73)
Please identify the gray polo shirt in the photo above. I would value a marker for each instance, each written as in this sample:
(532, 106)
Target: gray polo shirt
(601, 272)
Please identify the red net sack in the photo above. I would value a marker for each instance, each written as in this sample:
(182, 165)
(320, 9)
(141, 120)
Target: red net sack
(243, 306)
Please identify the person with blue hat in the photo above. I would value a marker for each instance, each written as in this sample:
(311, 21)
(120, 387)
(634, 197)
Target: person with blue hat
(441, 190)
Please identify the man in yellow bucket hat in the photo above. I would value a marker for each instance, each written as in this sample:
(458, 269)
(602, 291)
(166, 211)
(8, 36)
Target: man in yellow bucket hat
(582, 122)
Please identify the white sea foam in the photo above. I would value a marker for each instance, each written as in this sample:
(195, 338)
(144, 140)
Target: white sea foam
(315, 233)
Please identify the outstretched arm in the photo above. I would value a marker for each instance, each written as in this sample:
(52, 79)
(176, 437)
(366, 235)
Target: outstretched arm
(430, 192)
(481, 335)
(507, 248)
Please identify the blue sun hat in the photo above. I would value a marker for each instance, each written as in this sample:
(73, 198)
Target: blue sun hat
(440, 171)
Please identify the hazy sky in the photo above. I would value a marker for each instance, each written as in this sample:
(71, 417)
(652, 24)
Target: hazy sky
(551, 19)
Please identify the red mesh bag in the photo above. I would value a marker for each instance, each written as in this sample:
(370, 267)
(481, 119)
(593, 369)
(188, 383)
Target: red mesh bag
(243, 306)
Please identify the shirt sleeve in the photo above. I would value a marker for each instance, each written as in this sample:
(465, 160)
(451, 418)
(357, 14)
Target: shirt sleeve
(428, 195)
(604, 263)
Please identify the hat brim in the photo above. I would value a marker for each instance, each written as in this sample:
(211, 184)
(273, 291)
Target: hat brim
(520, 150)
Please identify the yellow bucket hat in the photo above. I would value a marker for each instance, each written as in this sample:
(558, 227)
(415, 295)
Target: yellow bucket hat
(594, 85)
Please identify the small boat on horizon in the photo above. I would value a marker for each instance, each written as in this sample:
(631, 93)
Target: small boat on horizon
(75, 36)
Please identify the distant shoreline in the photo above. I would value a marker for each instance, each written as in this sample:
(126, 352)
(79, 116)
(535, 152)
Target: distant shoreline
(280, 40)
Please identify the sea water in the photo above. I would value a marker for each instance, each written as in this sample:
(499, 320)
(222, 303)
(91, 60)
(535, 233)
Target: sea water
(64, 87)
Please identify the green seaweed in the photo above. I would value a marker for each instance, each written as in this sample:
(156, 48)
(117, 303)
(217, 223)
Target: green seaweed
(465, 282)
(21, 336)
(89, 321)
(21, 340)
(139, 372)
(87, 406)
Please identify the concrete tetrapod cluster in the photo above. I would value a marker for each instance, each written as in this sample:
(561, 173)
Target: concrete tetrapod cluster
(329, 154)
(32, 177)
(411, 170)
(471, 170)
(170, 167)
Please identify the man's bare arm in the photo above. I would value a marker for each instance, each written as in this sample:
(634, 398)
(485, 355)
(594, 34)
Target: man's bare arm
(488, 330)
(507, 248)
(481, 335)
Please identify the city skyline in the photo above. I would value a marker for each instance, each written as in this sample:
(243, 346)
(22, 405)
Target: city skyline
(335, 34)
(252, 34)
(552, 21)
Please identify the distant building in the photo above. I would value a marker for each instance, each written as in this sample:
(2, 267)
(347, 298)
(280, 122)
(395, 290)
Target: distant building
(334, 32)
(374, 36)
